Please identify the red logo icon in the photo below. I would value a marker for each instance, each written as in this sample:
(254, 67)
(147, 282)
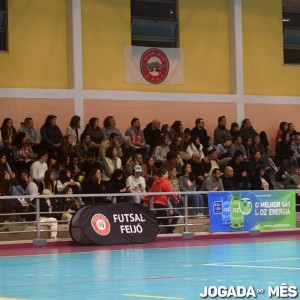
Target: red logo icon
(100, 224)
(154, 66)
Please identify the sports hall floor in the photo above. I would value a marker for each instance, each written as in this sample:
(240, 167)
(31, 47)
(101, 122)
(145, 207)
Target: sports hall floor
(173, 269)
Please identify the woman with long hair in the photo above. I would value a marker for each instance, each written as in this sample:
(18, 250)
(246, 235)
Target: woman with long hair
(111, 162)
(94, 185)
(187, 183)
(65, 180)
(22, 152)
(74, 130)
(8, 130)
(49, 182)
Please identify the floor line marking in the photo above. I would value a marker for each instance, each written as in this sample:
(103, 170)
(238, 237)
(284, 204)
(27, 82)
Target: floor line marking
(259, 267)
(153, 297)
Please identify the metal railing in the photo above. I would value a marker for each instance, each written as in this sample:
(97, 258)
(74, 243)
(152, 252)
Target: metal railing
(187, 219)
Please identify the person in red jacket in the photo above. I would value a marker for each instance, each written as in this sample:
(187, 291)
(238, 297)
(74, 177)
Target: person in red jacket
(161, 184)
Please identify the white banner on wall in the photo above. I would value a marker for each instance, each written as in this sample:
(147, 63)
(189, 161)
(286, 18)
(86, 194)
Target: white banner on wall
(153, 65)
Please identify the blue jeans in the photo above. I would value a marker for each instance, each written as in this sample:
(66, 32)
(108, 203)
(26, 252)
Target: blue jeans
(197, 201)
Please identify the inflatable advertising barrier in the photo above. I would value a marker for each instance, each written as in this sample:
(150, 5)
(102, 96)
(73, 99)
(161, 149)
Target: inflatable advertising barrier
(255, 210)
(112, 224)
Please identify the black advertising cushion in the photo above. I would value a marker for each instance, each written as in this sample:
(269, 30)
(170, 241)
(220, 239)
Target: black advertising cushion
(127, 223)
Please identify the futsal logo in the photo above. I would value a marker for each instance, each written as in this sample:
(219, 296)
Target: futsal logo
(154, 65)
(100, 224)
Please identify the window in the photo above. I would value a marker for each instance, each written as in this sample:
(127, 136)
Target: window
(3, 25)
(154, 23)
(291, 31)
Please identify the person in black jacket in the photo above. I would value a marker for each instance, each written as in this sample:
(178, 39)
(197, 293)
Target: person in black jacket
(230, 183)
(117, 185)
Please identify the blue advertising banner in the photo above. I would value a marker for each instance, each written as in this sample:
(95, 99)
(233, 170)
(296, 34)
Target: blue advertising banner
(251, 210)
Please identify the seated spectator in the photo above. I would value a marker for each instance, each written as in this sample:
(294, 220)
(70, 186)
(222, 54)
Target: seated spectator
(160, 202)
(223, 152)
(8, 130)
(90, 163)
(234, 130)
(200, 132)
(136, 184)
(265, 143)
(32, 135)
(67, 146)
(117, 185)
(75, 168)
(136, 159)
(176, 129)
(73, 130)
(166, 131)
(259, 181)
(240, 169)
(186, 138)
(39, 167)
(237, 145)
(7, 150)
(93, 185)
(213, 182)
(177, 147)
(109, 127)
(229, 181)
(69, 205)
(64, 180)
(187, 183)
(291, 179)
(113, 141)
(221, 132)
(295, 145)
(248, 146)
(81, 149)
(137, 137)
(23, 153)
(171, 161)
(127, 150)
(160, 151)
(149, 169)
(247, 131)
(51, 136)
(292, 131)
(209, 162)
(4, 166)
(96, 136)
(152, 133)
(195, 146)
(62, 163)
(49, 182)
(286, 165)
(111, 162)
(282, 148)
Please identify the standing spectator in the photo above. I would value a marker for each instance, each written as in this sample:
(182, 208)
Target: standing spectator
(283, 126)
(51, 136)
(187, 183)
(162, 184)
(137, 137)
(200, 132)
(282, 148)
(8, 130)
(32, 135)
(136, 184)
(221, 132)
(152, 134)
(109, 127)
(74, 129)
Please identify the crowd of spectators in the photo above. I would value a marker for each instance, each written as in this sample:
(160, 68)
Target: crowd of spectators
(95, 160)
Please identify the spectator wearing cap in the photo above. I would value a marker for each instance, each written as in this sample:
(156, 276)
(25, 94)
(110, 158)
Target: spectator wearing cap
(136, 184)
(221, 132)
(210, 161)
